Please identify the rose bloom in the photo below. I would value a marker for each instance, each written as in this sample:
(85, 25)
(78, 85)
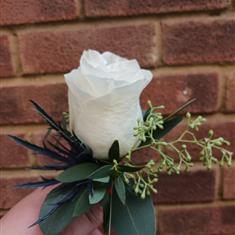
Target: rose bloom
(104, 100)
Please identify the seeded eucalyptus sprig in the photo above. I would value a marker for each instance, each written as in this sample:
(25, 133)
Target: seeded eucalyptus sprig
(174, 154)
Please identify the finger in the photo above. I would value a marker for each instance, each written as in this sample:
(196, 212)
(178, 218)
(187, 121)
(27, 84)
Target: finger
(85, 224)
(96, 232)
(23, 214)
(95, 216)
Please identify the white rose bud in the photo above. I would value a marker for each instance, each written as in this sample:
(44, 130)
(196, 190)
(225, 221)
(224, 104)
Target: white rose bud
(104, 100)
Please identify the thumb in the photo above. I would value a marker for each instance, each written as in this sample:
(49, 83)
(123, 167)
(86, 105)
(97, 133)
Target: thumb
(86, 223)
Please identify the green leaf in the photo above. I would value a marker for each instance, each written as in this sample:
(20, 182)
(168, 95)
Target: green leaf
(58, 194)
(102, 180)
(78, 172)
(61, 217)
(137, 217)
(129, 168)
(106, 212)
(114, 152)
(120, 189)
(97, 195)
(82, 203)
(182, 107)
(101, 172)
(172, 120)
(146, 113)
(167, 127)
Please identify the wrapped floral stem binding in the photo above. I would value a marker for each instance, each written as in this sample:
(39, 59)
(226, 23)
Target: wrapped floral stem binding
(93, 146)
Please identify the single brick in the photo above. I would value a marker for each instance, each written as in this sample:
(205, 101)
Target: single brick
(11, 154)
(144, 155)
(199, 41)
(230, 93)
(229, 183)
(60, 51)
(174, 90)
(14, 12)
(16, 108)
(204, 220)
(94, 8)
(198, 185)
(10, 195)
(6, 67)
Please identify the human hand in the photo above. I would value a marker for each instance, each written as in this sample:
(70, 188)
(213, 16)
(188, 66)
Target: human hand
(24, 213)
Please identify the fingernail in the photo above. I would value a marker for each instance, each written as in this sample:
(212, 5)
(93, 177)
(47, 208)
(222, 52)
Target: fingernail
(96, 232)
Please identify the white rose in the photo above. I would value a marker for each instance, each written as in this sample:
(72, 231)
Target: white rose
(104, 100)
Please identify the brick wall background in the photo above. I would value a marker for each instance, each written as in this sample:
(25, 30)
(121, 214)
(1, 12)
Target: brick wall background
(190, 47)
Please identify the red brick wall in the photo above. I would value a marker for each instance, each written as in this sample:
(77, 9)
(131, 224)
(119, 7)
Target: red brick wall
(190, 47)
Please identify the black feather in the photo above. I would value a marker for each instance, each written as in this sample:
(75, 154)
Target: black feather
(40, 220)
(51, 167)
(38, 149)
(66, 134)
(44, 183)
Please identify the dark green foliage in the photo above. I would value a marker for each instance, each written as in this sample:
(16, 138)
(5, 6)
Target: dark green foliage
(62, 213)
(77, 173)
(137, 216)
(101, 172)
(114, 152)
(82, 204)
(120, 189)
(97, 194)
(167, 127)
(106, 204)
(170, 121)
(129, 168)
